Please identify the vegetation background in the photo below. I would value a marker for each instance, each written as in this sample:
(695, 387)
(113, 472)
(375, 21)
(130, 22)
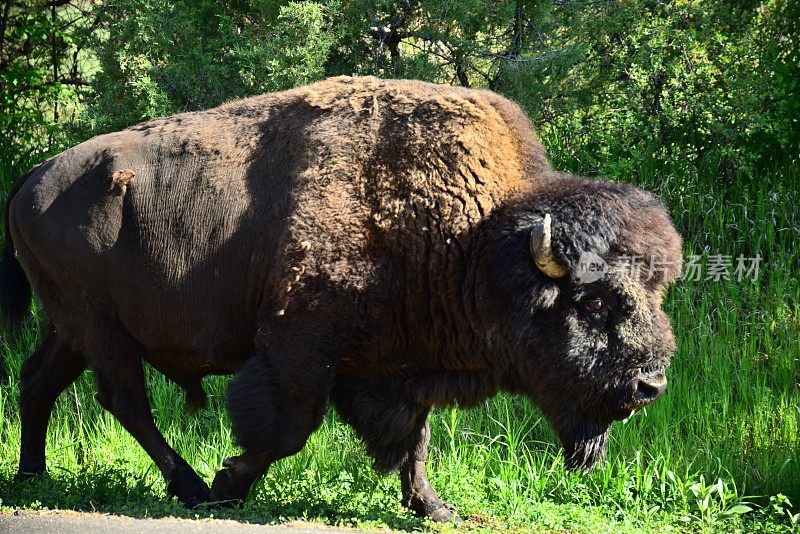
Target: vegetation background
(695, 100)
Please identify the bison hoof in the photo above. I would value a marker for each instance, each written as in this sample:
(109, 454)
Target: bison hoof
(444, 513)
(435, 510)
(225, 491)
(188, 488)
(23, 475)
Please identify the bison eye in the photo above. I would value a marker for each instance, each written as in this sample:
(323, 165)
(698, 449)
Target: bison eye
(594, 305)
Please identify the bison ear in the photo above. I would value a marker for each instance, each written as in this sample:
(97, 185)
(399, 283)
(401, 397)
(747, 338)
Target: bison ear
(542, 251)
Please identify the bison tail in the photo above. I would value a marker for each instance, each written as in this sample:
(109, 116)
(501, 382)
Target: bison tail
(15, 290)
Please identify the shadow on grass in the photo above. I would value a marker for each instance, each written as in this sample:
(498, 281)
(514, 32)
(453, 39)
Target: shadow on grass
(114, 491)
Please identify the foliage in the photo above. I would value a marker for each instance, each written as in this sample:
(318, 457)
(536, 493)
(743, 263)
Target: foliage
(40, 75)
(159, 57)
(618, 84)
(697, 101)
(670, 83)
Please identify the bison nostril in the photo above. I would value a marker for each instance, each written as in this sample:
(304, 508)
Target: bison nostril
(650, 391)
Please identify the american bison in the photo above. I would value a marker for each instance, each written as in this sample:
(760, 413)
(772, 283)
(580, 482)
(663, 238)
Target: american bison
(385, 246)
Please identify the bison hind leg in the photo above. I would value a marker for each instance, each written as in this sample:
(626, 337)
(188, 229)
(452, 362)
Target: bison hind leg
(196, 398)
(45, 375)
(115, 358)
(191, 384)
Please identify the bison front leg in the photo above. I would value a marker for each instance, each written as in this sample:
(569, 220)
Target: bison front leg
(418, 494)
(115, 359)
(395, 431)
(239, 473)
(276, 402)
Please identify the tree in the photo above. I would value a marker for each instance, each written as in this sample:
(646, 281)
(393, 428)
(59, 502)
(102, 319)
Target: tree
(42, 72)
(610, 84)
(159, 57)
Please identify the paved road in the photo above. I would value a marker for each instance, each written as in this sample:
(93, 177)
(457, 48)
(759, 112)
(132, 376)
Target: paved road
(75, 523)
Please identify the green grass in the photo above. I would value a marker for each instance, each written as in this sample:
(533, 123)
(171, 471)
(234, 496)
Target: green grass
(719, 452)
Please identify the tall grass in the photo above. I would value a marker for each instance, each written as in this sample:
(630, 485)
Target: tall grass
(721, 450)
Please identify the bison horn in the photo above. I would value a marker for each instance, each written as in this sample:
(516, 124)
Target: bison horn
(543, 252)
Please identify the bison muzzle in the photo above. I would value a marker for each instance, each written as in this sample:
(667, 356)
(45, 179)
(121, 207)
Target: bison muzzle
(385, 246)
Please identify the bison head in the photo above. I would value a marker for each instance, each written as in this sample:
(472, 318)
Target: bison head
(576, 274)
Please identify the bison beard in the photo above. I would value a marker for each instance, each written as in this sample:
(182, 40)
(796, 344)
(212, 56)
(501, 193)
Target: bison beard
(584, 443)
(385, 246)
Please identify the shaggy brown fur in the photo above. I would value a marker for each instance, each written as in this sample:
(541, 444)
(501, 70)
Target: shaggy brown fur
(358, 240)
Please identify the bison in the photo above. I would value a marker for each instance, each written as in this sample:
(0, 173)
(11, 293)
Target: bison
(383, 246)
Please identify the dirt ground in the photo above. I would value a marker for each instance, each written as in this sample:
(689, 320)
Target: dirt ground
(59, 522)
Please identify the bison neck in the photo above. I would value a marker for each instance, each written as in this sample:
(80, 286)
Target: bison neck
(441, 328)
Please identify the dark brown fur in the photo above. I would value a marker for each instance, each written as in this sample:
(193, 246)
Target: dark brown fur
(358, 240)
